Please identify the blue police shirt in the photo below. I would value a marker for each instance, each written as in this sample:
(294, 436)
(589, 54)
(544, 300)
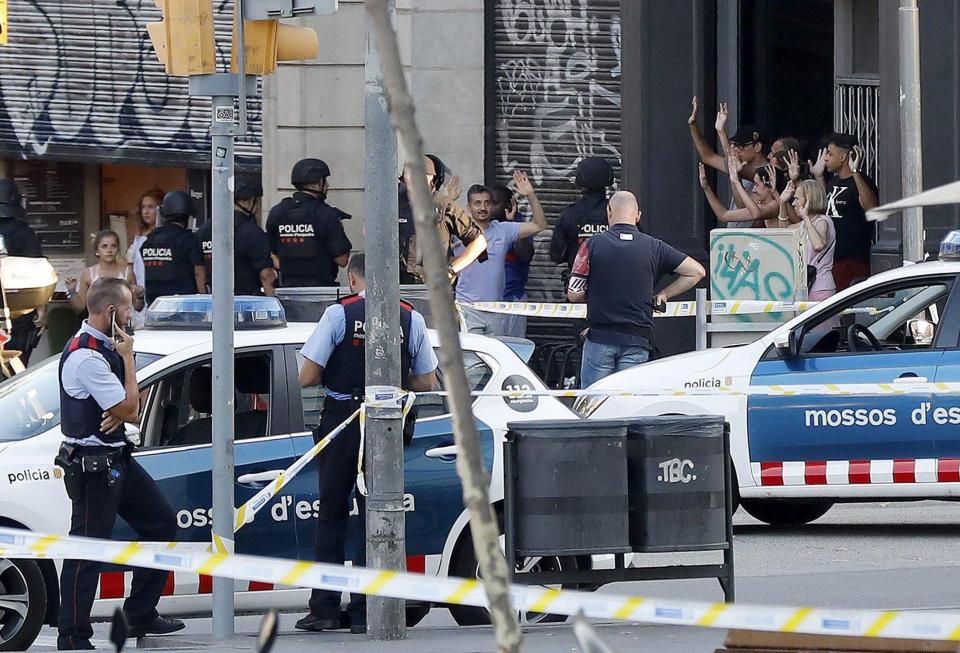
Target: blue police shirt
(332, 328)
(87, 373)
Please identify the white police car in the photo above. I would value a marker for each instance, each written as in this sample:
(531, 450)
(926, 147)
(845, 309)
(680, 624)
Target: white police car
(795, 456)
(274, 415)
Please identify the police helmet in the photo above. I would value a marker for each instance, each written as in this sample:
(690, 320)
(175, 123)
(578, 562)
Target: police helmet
(309, 171)
(11, 201)
(176, 206)
(247, 187)
(594, 173)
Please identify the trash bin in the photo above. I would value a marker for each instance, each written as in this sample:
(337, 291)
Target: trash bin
(676, 470)
(566, 487)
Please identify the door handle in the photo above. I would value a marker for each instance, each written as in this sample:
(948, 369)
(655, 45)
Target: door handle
(445, 452)
(260, 478)
(910, 377)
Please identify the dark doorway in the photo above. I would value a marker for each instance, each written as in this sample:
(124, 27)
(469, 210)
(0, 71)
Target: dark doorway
(786, 71)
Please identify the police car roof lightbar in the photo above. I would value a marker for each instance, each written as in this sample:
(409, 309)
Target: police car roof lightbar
(196, 312)
(950, 247)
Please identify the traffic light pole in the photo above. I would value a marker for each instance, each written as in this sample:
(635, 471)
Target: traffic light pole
(383, 451)
(222, 88)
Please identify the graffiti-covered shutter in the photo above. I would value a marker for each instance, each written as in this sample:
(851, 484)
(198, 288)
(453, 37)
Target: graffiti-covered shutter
(79, 80)
(556, 100)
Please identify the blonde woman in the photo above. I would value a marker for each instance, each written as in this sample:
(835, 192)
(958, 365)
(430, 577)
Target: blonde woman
(109, 264)
(810, 202)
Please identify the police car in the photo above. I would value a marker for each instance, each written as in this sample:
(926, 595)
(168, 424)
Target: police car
(795, 456)
(273, 421)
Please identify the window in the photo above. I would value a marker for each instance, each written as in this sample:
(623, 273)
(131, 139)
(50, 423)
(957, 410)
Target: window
(902, 317)
(178, 405)
(30, 401)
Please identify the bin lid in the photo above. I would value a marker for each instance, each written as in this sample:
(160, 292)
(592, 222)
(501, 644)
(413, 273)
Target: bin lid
(562, 427)
(677, 425)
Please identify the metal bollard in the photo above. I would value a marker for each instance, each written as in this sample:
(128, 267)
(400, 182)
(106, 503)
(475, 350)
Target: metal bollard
(701, 319)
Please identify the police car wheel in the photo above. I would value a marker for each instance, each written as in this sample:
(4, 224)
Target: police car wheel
(23, 603)
(786, 512)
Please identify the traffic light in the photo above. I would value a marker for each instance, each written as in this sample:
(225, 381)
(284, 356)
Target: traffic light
(4, 22)
(269, 41)
(184, 39)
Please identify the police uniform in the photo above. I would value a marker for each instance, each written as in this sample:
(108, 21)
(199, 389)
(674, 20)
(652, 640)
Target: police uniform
(20, 240)
(337, 345)
(103, 482)
(587, 216)
(251, 252)
(171, 252)
(307, 236)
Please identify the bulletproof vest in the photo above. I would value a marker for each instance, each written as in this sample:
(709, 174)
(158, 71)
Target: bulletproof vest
(345, 369)
(591, 218)
(80, 418)
(205, 236)
(304, 258)
(167, 265)
(246, 281)
(620, 290)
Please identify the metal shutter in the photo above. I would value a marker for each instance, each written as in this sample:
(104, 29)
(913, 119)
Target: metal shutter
(80, 80)
(556, 100)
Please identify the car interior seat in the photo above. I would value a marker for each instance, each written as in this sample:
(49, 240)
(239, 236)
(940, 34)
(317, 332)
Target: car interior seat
(252, 376)
(199, 430)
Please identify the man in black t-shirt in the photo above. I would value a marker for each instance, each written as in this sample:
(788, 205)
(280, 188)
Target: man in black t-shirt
(850, 194)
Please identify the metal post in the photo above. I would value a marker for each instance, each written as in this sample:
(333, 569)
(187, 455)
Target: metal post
(386, 542)
(701, 319)
(223, 410)
(911, 150)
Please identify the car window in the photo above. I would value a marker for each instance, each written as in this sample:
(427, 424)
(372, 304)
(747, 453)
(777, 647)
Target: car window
(177, 406)
(30, 401)
(905, 316)
(478, 375)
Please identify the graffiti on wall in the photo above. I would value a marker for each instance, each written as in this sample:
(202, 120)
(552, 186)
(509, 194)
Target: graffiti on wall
(84, 74)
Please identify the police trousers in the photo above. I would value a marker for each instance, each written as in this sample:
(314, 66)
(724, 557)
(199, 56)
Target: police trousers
(122, 489)
(337, 465)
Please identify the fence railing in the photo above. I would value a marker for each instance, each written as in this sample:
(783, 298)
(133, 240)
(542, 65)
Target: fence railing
(855, 111)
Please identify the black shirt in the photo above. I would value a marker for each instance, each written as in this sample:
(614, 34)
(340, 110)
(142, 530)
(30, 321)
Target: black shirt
(251, 253)
(854, 233)
(584, 218)
(170, 253)
(307, 236)
(20, 238)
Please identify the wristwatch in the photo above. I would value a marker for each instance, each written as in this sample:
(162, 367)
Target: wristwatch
(451, 271)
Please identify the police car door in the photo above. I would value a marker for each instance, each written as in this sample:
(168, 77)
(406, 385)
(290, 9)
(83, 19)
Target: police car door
(840, 439)
(176, 430)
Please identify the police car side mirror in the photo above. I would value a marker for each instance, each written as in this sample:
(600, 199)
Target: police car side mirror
(787, 344)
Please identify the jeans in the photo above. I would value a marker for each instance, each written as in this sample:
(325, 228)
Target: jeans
(601, 360)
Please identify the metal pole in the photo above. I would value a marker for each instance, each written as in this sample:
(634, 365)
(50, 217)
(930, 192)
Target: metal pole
(223, 410)
(386, 541)
(701, 319)
(911, 150)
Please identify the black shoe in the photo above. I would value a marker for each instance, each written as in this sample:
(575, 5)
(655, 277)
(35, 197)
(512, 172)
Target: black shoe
(74, 644)
(313, 623)
(358, 628)
(159, 626)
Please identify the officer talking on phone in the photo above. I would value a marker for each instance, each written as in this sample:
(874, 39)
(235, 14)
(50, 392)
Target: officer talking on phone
(98, 393)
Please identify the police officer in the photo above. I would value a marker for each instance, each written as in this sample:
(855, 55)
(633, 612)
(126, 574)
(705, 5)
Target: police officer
(98, 393)
(20, 240)
(252, 265)
(305, 232)
(585, 217)
(334, 358)
(172, 259)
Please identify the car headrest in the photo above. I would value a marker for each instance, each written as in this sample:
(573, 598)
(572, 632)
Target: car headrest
(201, 390)
(252, 375)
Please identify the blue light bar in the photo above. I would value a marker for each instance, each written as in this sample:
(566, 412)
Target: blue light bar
(950, 247)
(196, 312)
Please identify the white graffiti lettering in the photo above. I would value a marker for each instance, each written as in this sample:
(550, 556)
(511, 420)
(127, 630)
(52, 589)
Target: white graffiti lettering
(676, 471)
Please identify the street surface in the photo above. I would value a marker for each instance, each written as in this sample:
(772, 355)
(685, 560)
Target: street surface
(878, 555)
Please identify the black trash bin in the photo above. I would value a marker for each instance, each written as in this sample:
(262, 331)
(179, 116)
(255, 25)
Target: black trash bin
(676, 466)
(566, 487)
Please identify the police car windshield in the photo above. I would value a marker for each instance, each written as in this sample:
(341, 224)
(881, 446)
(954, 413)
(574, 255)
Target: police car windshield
(30, 401)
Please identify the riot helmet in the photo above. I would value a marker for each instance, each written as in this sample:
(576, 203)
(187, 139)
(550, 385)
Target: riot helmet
(594, 173)
(176, 207)
(11, 201)
(308, 171)
(247, 187)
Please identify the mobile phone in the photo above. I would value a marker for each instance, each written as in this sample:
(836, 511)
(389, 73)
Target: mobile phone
(113, 326)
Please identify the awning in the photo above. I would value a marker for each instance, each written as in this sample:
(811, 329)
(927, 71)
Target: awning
(946, 194)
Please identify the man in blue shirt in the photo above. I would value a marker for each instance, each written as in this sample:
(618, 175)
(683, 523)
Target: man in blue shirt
(517, 262)
(334, 357)
(98, 393)
(485, 281)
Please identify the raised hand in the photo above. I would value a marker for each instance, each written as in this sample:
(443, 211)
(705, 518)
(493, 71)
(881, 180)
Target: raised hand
(816, 169)
(722, 114)
(855, 160)
(734, 166)
(788, 192)
(793, 165)
(448, 193)
(703, 178)
(522, 183)
(692, 120)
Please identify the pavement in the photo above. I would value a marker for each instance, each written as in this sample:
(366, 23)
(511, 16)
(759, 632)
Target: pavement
(878, 555)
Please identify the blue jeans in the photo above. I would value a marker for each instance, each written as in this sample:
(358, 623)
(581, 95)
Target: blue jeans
(601, 360)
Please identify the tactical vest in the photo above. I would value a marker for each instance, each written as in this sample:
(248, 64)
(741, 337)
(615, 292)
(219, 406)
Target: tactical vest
(344, 371)
(246, 280)
(80, 418)
(304, 258)
(167, 265)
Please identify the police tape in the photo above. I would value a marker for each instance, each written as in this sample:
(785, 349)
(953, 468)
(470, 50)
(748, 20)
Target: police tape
(458, 591)
(673, 309)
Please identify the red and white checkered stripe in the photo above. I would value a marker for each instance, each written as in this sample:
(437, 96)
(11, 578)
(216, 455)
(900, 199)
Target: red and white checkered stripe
(116, 584)
(857, 472)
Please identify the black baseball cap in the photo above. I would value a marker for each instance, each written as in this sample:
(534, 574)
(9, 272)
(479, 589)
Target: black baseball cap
(748, 134)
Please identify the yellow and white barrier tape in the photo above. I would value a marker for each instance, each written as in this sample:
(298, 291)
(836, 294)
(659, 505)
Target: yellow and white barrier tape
(377, 396)
(674, 309)
(458, 591)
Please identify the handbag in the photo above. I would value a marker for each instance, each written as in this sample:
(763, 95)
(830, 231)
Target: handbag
(812, 269)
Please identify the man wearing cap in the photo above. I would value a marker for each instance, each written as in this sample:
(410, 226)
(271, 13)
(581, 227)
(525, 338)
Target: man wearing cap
(253, 272)
(748, 143)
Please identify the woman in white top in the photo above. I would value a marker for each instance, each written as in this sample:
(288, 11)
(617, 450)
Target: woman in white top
(147, 213)
(109, 264)
(810, 201)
